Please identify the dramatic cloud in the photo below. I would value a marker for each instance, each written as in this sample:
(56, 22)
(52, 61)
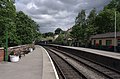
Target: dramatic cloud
(51, 14)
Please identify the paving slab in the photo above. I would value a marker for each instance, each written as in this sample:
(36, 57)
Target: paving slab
(35, 65)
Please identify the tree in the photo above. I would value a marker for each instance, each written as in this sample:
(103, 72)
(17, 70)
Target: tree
(118, 21)
(38, 37)
(77, 33)
(58, 31)
(21, 28)
(7, 22)
(26, 28)
(60, 39)
(114, 4)
(96, 24)
(49, 34)
(91, 29)
(78, 30)
(80, 19)
(91, 17)
(105, 21)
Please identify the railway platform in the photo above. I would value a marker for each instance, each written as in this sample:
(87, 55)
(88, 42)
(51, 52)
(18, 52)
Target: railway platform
(94, 51)
(35, 65)
(109, 59)
(99, 52)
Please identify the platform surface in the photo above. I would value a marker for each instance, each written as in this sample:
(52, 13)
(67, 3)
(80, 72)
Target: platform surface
(94, 51)
(99, 52)
(35, 65)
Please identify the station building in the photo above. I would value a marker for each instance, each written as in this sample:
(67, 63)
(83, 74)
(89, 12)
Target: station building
(106, 41)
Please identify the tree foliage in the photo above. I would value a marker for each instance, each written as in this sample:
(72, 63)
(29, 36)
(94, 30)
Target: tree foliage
(26, 28)
(58, 31)
(80, 19)
(105, 21)
(7, 22)
(49, 34)
(83, 27)
(21, 29)
(102, 22)
(60, 39)
(114, 4)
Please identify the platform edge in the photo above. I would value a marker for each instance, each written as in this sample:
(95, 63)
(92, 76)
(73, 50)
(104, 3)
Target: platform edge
(55, 71)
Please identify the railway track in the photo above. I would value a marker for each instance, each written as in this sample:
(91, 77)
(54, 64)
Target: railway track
(97, 71)
(65, 69)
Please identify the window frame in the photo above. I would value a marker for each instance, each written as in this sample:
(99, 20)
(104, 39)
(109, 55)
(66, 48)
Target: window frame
(108, 42)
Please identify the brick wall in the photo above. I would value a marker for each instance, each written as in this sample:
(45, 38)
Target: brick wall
(1, 54)
(22, 48)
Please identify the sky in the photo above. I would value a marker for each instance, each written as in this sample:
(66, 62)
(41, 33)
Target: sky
(53, 14)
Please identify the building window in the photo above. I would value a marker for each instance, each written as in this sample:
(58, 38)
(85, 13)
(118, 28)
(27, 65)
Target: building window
(94, 42)
(118, 42)
(100, 42)
(108, 42)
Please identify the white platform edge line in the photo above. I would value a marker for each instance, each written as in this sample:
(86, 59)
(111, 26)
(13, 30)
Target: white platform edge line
(56, 74)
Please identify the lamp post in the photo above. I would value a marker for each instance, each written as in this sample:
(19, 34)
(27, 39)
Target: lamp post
(6, 45)
(115, 39)
(6, 38)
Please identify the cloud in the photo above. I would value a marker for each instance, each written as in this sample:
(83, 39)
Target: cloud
(51, 14)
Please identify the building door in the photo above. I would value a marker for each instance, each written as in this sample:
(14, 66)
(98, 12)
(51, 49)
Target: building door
(100, 42)
(94, 42)
(108, 42)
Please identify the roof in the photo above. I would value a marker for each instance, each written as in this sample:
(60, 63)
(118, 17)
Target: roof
(106, 35)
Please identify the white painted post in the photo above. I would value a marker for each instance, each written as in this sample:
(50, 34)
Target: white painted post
(115, 40)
